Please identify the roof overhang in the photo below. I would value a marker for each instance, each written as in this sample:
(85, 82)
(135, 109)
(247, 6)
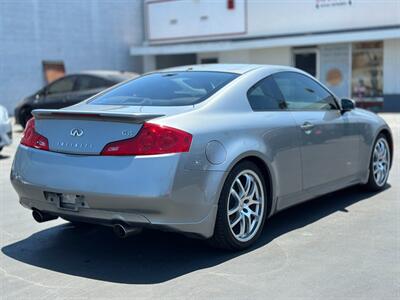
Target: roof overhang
(270, 42)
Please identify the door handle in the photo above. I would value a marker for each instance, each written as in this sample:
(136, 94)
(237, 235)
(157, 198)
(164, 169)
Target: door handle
(307, 127)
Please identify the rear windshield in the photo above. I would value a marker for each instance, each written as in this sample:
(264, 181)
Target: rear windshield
(166, 89)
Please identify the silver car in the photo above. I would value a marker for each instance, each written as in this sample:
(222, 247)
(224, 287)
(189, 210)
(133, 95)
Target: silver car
(208, 150)
(5, 128)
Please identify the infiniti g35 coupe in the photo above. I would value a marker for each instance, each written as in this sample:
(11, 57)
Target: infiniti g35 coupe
(209, 150)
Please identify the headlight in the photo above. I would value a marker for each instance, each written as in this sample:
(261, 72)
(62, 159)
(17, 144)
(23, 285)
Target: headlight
(3, 114)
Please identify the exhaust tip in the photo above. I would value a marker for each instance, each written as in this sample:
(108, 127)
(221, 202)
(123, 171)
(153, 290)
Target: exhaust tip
(41, 217)
(119, 231)
(37, 216)
(123, 231)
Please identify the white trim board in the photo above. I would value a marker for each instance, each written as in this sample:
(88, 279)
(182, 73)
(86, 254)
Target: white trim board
(303, 40)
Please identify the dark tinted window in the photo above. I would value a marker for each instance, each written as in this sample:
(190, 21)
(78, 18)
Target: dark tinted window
(91, 82)
(167, 89)
(62, 85)
(303, 93)
(265, 95)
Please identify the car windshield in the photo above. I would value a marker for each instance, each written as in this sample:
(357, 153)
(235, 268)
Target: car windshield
(166, 89)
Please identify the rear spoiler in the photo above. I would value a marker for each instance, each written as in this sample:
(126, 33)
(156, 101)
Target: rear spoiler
(93, 115)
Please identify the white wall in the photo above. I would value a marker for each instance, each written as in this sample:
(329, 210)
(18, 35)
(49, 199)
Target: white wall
(391, 66)
(272, 17)
(188, 20)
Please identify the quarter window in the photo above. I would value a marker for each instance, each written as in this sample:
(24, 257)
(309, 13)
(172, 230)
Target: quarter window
(302, 93)
(265, 95)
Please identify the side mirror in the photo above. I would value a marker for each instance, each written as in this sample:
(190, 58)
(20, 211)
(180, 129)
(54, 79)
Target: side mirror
(347, 104)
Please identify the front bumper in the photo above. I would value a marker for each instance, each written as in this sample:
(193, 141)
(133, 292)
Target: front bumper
(5, 133)
(152, 191)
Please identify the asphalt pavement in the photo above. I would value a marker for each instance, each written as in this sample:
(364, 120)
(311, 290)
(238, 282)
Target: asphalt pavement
(345, 245)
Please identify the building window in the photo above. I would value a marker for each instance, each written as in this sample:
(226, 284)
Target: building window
(209, 60)
(52, 70)
(174, 60)
(306, 59)
(367, 74)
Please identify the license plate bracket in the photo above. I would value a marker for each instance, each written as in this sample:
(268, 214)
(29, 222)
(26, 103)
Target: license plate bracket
(65, 201)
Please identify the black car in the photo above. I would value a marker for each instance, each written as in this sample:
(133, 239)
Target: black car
(68, 90)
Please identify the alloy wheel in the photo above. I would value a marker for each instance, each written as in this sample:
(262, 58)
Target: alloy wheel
(245, 205)
(381, 162)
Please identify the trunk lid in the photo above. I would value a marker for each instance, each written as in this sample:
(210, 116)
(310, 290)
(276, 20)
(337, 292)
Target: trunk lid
(86, 132)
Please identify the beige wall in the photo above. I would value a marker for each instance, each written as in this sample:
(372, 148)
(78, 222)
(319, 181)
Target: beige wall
(274, 56)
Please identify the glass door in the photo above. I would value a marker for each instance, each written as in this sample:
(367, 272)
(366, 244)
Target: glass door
(306, 60)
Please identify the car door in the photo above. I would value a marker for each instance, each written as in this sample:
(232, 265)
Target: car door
(279, 134)
(328, 142)
(57, 93)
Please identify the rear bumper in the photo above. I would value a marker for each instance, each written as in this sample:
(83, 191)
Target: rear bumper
(150, 191)
(5, 134)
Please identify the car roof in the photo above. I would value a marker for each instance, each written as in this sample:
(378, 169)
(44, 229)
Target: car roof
(109, 74)
(230, 68)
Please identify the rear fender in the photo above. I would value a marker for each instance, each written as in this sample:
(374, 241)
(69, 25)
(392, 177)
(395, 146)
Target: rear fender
(271, 181)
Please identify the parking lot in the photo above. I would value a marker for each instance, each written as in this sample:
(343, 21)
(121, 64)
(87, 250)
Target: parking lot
(343, 245)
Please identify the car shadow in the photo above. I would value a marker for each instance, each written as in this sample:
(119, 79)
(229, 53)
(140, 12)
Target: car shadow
(154, 257)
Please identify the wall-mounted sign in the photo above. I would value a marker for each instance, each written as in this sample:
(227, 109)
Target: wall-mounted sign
(331, 3)
(168, 20)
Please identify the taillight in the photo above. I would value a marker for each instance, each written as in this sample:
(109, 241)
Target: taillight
(151, 139)
(33, 139)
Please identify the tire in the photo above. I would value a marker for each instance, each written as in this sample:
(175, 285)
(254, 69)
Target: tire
(26, 115)
(234, 211)
(379, 160)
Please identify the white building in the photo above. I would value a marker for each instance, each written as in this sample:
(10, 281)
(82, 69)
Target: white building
(351, 46)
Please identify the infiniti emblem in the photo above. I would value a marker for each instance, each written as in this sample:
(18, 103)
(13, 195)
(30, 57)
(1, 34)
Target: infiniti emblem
(76, 132)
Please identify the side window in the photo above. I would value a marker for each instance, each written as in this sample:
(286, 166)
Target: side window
(303, 93)
(91, 82)
(265, 95)
(63, 85)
